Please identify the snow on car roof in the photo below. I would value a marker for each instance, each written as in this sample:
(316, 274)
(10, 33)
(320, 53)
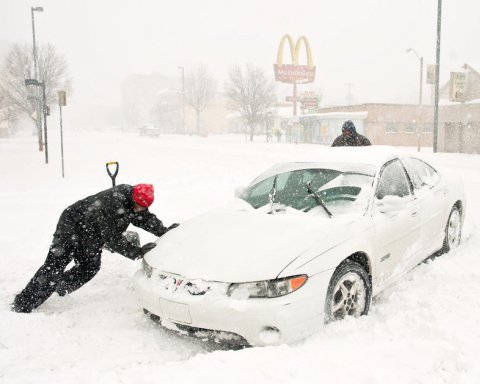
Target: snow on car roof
(375, 155)
(367, 160)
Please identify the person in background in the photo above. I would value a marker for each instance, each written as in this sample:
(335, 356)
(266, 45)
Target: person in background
(83, 229)
(350, 137)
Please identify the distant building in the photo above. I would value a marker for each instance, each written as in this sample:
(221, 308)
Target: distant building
(383, 124)
(401, 124)
(459, 122)
(144, 96)
(157, 99)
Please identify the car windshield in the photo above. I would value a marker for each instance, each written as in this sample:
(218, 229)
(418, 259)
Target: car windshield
(307, 190)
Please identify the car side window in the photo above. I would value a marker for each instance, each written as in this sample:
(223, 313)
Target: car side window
(421, 174)
(393, 181)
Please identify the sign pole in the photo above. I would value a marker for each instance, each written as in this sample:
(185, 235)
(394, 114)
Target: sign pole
(293, 72)
(62, 101)
(61, 141)
(294, 98)
(42, 84)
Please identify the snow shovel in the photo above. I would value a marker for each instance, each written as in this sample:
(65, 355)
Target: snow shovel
(131, 236)
(114, 174)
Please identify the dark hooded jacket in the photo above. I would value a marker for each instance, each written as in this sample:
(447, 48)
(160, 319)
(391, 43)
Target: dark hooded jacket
(102, 219)
(354, 140)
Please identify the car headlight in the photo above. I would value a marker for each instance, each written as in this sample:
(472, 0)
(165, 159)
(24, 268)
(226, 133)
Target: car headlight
(147, 269)
(267, 288)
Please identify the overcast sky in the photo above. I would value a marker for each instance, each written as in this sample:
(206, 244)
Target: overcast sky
(357, 42)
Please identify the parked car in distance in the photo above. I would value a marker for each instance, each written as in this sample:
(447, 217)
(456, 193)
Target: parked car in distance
(149, 130)
(304, 244)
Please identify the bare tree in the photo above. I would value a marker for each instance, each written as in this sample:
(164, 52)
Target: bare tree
(251, 93)
(199, 91)
(7, 110)
(18, 66)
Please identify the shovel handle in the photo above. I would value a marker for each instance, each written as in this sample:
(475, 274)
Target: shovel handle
(114, 174)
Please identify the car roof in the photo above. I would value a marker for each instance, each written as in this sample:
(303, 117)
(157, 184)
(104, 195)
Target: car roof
(367, 160)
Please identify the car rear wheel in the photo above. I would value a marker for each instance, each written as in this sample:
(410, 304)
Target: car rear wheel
(349, 292)
(453, 230)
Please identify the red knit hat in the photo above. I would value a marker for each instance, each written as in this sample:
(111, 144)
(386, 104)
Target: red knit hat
(143, 194)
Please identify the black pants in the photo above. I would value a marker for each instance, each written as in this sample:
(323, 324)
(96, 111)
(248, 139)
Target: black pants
(87, 263)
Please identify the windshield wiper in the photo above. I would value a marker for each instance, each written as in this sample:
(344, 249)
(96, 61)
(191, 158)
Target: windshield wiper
(317, 198)
(272, 194)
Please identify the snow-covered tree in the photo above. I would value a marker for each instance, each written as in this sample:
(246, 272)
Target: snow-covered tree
(250, 93)
(199, 91)
(18, 66)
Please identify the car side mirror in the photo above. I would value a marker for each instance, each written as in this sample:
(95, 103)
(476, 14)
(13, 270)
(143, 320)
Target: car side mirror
(238, 191)
(390, 204)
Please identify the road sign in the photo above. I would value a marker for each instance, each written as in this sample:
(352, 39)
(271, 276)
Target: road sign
(309, 102)
(62, 98)
(431, 68)
(457, 86)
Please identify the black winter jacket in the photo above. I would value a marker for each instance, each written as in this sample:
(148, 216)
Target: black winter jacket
(356, 140)
(102, 218)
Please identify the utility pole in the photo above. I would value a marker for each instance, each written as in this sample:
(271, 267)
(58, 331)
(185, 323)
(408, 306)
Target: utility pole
(349, 100)
(437, 77)
(183, 98)
(38, 118)
(45, 113)
(421, 82)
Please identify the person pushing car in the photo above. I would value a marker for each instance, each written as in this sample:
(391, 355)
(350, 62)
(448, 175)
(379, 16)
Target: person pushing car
(83, 229)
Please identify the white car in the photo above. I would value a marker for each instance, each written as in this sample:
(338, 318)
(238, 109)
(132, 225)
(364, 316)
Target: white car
(304, 244)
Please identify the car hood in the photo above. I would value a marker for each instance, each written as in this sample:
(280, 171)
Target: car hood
(237, 243)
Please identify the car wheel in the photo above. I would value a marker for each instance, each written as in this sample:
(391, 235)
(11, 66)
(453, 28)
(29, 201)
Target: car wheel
(453, 230)
(349, 292)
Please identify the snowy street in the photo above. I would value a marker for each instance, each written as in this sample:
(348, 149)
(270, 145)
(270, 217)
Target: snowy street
(424, 329)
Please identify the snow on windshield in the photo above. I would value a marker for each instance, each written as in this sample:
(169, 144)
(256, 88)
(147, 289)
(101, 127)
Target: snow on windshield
(306, 189)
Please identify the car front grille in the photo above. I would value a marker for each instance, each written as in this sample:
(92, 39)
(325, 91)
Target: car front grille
(230, 339)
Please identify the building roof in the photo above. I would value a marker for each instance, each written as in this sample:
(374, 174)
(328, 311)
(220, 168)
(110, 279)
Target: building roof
(338, 115)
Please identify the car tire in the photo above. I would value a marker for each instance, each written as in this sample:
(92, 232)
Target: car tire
(349, 292)
(453, 230)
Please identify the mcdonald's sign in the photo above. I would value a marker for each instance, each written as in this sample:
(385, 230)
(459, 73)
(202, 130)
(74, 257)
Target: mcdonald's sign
(294, 73)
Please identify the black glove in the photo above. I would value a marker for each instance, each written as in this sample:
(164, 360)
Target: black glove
(174, 225)
(147, 248)
(61, 288)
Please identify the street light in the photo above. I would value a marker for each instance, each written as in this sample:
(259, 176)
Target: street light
(437, 76)
(183, 98)
(37, 83)
(38, 120)
(421, 73)
(418, 125)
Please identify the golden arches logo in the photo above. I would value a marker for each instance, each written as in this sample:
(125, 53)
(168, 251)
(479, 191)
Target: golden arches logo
(295, 50)
(294, 73)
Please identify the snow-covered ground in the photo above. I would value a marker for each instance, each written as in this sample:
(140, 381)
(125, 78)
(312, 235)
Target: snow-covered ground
(425, 329)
